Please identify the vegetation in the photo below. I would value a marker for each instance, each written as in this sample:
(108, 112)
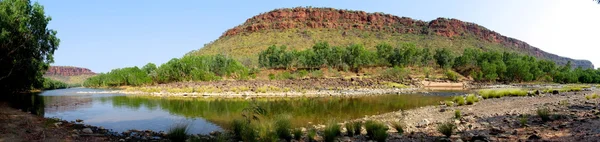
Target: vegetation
(457, 114)
(349, 129)
(471, 99)
(446, 128)
(376, 131)
(523, 120)
(188, 68)
(282, 128)
(591, 96)
(544, 114)
(460, 100)
(27, 46)
(399, 127)
(331, 132)
(357, 127)
(297, 134)
(50, 84)
(178, 133)
(498, 93)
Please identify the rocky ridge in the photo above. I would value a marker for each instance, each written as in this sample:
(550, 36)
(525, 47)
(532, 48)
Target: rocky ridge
(68, 71)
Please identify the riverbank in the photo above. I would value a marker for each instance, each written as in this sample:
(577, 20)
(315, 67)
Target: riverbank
(16, 125)
(572, 118)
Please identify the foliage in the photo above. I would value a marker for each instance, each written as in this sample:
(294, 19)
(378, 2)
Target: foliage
(243, 130)
(544, 114)
(523, 120)
(399, 127)
(357, 127)
(395, 73)
(446, 128)
(498, 93)
(312, 133)
(451, 75)
(27, 45)
(282, 128)
(457, 114)
(460, 100)
(50, 84)
(471, 99)
(297, 134)
(376, 131)
(349, 129)
(443, 57)
(331, 132)
(178, 133)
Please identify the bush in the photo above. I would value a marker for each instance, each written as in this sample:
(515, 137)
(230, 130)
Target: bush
(271, 76)
(297, 134)
(244, 131)
(282, 129)
(317, 74)
(395, 73)
(446, 128)
(399, 127)
(544, 114)
(331, 132)
(451, 75)
(357, 127)
(286, 75)
(376, 131)
(523, 120)
(449, 103)
(460, 100)
(349, 129)
(457, 114)
(471, 99)
(312, 133)
(178, 133)
(302, 73)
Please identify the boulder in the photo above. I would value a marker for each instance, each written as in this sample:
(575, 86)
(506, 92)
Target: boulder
(87, 130)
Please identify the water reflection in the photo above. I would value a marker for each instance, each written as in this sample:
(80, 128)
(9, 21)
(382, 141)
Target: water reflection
(120, 113)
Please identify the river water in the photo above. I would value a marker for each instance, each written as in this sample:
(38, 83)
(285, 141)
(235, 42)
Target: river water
(120, 112)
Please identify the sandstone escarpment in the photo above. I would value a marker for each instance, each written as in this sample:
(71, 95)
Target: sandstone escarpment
(68, 71)
(329, 18)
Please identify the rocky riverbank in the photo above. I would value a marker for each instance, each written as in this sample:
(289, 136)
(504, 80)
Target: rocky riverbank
(571, 118)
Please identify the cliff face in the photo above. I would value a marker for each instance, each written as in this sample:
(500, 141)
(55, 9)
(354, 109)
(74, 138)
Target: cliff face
(329, 18)
(68, 71)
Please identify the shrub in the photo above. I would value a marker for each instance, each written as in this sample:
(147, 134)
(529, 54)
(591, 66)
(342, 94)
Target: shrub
(297, 134)
(588, 97)
(312, 133)
(317, 74)
(460, 100)
(349, 129)
(471, 99)
(331, 132)
(243, 130)
(376, 131)
(178, 133)
(271, 76)
(286, 75)
(449, 103)
(544, 114)
(302, 73)
(282, 129)
(451, 75)
(523, 120)
(457, 114)
(446, 128)
(395, 73)
(357, 127)
(399, 127)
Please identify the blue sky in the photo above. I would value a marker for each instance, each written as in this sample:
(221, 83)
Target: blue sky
(105, 34)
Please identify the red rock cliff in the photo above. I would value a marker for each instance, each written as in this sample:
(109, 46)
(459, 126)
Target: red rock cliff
(281, 19)
(68, 71)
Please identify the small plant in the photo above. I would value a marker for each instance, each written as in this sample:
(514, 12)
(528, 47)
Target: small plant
(563, 102)
(312, 133)
(523, 120)
(302, 73)
(449, 103)
(282, 129)
(286, 75)
(396, 73)
(331, 132)
(544, 114)
(244, 131)
(317, 74)
(357, 127)
(178, 133)
(446, 128)
(271, 76)
(588, 97)
(471, 99)
(457, 114)
(399, 127)
(460, 100)
(297, 134)
(451, 75)
(349, 129)
(376, 131)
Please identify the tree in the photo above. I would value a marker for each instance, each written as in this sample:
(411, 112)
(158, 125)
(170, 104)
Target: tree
(27, 46)
(149, 68)
(443, 57)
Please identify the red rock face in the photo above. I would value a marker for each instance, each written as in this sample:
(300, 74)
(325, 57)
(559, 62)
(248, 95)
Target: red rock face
(281, 19)
(68, 71)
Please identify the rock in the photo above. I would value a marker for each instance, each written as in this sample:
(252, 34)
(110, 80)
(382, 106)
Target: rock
(480, 138)
(504, 136)
(456, 121)
(121, 140)
(459, 140)
(534, 137)
(87, 130)
(78, 120)
(423, 123)
(101, 128)
(515, 132)
(496, 131)
(57, 124)
(555, 92)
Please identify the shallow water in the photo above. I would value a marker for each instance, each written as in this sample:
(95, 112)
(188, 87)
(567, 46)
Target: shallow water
(120, 112)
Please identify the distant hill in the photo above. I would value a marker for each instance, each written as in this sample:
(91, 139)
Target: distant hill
(68, 74)
(300, 28)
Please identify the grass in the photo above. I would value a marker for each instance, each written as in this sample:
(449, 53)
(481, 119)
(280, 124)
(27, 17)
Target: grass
(357, 127)
(544, 114)
(446, 128)
(376, 131)
(457, 114)
(317, 74)
(282, 129)
(471, 99)
(499, 93)
(591, 96)
(395, 85)
(398, 126)
(523, 120)
(396, 73)
(244, 131)
(449, 103)
(312, 133)
(331, 132)
(262, 89)
(451, 75)
(349, 129)
(297, 134)
(460, 100)
(178, 133)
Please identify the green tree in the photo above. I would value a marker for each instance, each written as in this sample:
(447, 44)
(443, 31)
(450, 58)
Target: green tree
(443, 57)
(149, 68)
(27, 46)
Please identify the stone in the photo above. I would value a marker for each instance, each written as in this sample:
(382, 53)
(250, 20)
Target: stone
(87, 130)
(121, 140)
(480, 138)
(534, 137)
(78, 120)
(423, 123)
(515, 132)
